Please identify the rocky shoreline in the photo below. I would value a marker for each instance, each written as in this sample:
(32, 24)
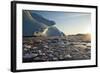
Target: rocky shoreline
(54, 49)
